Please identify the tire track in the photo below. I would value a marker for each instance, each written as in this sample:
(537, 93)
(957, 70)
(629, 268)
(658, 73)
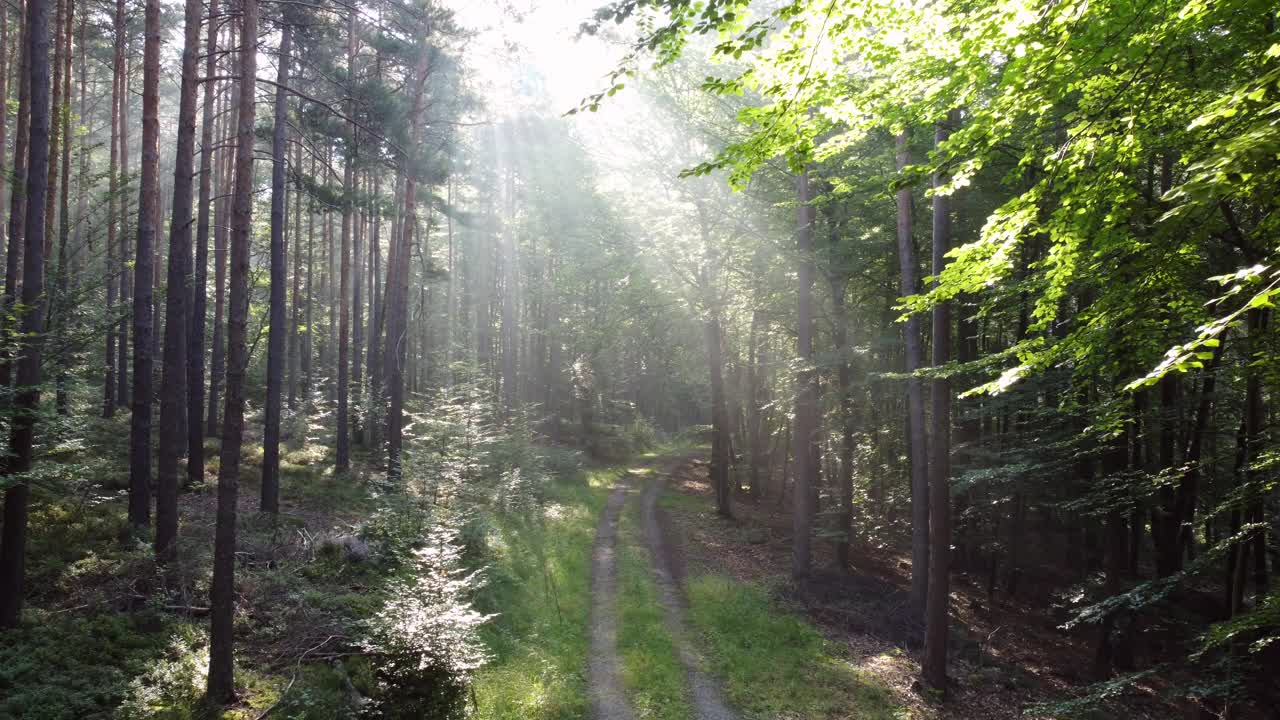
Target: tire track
(708, 700)
(608, 701)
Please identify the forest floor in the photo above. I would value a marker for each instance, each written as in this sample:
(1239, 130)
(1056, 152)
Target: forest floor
(1006, 654)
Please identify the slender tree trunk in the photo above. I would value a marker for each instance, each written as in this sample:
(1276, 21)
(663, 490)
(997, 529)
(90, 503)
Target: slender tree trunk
(173, 389)
(143, 280)
(806, 419)
(122, 258)
(308, 346)
(113, 216)
(357, 315)
(13, 535)
(295, 324)
(221, 228)
(221, 685)
(55, 130)
(270, 499)
(57, 306)
(915, 396)
(14, 266)
(199, 297)
(79, 241)
(4, 97)
(343, 450)
(935, 644)
(374, 336)
(398, 280)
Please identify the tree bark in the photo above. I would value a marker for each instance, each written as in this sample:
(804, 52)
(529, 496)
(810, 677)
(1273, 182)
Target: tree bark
(199, 297)
(13, 536)
(343, 449)
(62, 278)
(173, 388)
(295, 324)
(217, 355)
(14, 266)
(398, 280)
(122, 258)
(221, 682)
(270, 495)
(915, 395)
(143, 280)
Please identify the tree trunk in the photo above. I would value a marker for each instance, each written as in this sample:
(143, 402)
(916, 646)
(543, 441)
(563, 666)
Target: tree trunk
(915, 395)
(18, 203)
(270, 498)
(143, 280)
(806, 420)
(122, 258)
(398, 282)
(221, 684)
(173, 387)
(62, 279)
(295, 323)
(199, 297)
(935, 644)
(217, 359)
(113, 216)
(343, 450)
(22, 431)
(757, 383)
(55, 130)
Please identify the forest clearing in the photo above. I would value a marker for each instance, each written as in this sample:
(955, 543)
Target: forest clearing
(639, 359)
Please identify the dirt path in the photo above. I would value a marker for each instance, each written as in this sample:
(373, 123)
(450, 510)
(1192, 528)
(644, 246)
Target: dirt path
(608, 702)
(708, 701)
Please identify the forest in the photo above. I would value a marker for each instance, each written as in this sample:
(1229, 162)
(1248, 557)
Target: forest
(639, 359)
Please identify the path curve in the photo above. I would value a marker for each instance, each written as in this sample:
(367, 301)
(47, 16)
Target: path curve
(708, 700)
(608, 702)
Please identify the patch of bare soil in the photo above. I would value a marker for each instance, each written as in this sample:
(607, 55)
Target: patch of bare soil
(1005, 654)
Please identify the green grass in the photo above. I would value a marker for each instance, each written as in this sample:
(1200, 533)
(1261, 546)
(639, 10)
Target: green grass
(539, 583)
(773, 662)
(651, 670)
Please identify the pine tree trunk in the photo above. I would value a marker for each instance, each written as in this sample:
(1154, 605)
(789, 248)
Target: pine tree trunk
(199, 290)
(55, 131)
(270, 498)
(221, 684)
(217, 358)
(113, 217)
(62, 279)
(343, 449)
(143, 278)
(122, 257)
(357, 316)
(18, 203)
(915, 397)
(13, 535)
(295, 324)
(4, 97)
(173, 388)
(398, 282)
